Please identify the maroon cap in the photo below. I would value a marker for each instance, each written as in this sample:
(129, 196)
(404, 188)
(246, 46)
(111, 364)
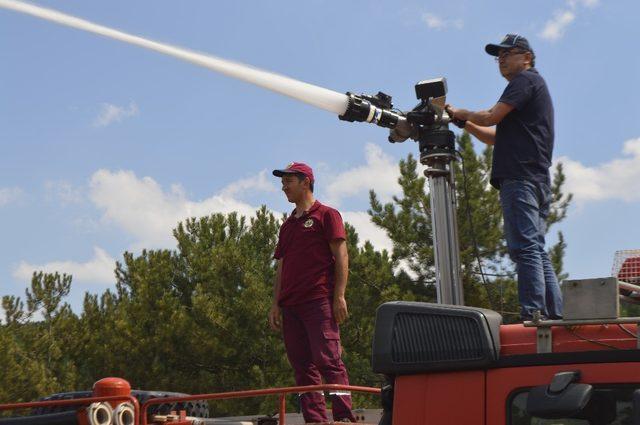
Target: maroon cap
(296, 168)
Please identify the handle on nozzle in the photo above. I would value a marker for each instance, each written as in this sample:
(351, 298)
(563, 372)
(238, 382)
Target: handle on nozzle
(455, 121)
(459, 123)
(402, 131)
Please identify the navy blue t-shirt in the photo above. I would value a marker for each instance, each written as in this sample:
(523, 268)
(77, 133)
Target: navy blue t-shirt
(524, 137)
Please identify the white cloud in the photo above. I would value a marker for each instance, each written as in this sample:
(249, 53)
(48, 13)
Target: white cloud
(437, 23)
(614, 180)
(9, 195)
(143, 209)
(63, 192)
(433, 21)
(586, 3)
(555, 28)
(98, 270)
(367, 230)
(262, 182)
(147, 212)
(113, 113)
(380, 173)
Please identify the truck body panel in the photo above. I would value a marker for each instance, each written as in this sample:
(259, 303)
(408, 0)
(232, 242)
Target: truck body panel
(440, 398)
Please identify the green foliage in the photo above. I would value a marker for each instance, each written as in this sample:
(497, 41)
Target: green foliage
(408, 225)
(558, 212)
(194, 319)
(480, 230)
(407, 222)
(560, 201)
(36, 356)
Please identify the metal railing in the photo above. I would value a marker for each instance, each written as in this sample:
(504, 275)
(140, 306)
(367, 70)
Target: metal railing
(140, 416)
(281, 392)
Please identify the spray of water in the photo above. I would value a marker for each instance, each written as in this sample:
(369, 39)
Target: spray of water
(320, 97)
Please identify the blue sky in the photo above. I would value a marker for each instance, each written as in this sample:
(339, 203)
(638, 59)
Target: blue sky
(105, 146)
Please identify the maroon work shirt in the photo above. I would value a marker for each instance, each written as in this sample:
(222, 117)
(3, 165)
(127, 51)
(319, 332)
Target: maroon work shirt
(308, 266)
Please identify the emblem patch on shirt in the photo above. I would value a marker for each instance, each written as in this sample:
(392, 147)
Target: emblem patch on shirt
(308, 223)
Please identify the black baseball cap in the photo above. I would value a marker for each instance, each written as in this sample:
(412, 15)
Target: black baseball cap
(509, 42)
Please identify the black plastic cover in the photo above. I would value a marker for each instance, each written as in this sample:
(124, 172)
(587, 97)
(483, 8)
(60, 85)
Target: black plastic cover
(566, 404)
(561, 381)
(636, 407)
(428, 89)
(414, 337)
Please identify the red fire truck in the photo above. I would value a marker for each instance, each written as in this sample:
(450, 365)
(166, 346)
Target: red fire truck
(446, 364)
(458, 365)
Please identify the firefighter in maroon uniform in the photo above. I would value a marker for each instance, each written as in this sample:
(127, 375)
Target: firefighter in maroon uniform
(309, 293)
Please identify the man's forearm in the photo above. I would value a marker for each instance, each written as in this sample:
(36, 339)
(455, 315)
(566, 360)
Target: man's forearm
(481, 118)
(339, 251)
(276, 290)
(275, 313)
(484, 134)
(487, 118)
(341, 276)
(276, 283)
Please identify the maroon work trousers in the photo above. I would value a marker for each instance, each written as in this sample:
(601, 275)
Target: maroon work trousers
(312, 340)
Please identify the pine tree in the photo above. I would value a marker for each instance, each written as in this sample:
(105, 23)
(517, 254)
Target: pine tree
(37, 339)
(487, 274)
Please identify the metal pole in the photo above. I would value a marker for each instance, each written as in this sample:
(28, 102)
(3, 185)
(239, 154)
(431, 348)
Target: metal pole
(444, 227)
(282, 409)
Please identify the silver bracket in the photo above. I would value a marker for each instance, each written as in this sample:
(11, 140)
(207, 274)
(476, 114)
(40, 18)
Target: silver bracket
(544, 340)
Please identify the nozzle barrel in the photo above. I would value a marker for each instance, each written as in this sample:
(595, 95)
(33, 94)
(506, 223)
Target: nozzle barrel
(363, 110)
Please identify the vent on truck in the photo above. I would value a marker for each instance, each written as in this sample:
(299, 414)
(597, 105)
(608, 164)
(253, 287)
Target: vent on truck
(412, 337)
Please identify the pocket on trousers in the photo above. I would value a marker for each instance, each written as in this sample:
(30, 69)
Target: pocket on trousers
(331, 349)
(330, 329)
(330, 334)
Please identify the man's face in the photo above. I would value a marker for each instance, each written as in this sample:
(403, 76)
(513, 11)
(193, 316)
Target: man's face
(293, 187)
(512, 62)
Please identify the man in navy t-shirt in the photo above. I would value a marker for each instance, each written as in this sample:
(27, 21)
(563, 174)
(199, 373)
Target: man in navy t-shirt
(523, 145)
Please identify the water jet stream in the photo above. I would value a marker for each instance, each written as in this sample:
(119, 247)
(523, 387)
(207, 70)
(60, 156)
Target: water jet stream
(319, 97)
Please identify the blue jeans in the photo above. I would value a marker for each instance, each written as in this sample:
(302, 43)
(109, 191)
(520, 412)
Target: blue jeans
(525, 207)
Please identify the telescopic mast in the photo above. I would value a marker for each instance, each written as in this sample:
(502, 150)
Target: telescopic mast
(427, 124)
